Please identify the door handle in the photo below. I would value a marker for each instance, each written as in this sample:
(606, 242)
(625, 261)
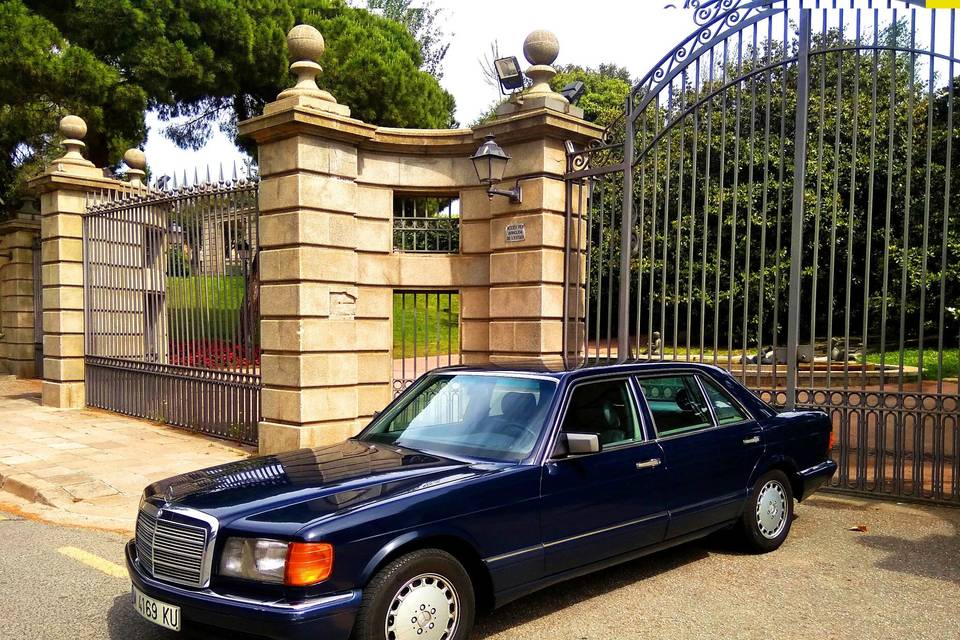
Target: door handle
(753, 440)
(649, 464)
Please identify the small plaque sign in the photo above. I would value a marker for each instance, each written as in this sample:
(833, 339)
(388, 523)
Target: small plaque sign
(516, 232)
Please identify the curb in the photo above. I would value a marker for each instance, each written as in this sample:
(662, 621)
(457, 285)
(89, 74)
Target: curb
(20, 484)
(34, 489)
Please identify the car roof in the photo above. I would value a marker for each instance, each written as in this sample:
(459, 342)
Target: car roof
(591, 368)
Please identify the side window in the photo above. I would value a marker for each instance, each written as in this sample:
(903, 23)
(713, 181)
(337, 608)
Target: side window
(676, 404)
(724, 408)
(604, 408)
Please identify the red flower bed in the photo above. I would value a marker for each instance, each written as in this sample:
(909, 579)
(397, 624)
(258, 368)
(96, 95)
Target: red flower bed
(213, 354)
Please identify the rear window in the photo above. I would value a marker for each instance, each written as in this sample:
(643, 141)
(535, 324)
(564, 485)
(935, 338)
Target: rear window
(724, 407)
(676, 404)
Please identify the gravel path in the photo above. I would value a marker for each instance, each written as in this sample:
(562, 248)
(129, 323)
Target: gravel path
(900, 579)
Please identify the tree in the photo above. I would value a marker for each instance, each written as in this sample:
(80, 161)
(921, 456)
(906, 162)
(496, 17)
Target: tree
(422, 23)
(213, 62)
(714, 178)
(487, 68)
(605, 88)
(43, 78)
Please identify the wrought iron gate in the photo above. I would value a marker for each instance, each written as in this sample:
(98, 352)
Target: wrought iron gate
(426, 334)
(172, 306)
(779, 199)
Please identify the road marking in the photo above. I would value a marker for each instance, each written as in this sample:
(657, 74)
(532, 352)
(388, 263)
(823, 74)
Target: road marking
(98, 563)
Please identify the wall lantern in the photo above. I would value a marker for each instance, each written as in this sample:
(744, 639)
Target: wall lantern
(490, 161)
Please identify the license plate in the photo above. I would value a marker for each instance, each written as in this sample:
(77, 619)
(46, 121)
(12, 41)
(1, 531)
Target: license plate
(161, 613)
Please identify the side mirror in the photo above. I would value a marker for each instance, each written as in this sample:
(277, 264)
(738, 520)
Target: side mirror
(580, 444)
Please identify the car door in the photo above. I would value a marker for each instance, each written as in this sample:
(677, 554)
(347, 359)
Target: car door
(710, 446)
(601, 505)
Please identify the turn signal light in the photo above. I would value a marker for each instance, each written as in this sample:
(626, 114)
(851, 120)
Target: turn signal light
(308, 563)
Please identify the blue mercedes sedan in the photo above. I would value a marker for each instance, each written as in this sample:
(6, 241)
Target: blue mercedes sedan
(473, 488)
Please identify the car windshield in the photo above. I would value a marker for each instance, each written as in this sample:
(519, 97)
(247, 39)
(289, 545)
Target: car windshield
(469, 415)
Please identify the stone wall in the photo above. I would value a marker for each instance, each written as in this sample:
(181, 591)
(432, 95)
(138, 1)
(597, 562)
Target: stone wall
(328, 266)
(18, 318)
(329, 269)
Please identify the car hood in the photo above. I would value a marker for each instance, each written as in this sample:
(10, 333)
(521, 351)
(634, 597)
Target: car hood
(304, 485)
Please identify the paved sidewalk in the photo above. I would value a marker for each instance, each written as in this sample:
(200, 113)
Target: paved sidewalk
(91, 465)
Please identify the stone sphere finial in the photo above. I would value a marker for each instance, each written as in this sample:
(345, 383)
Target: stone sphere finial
(305, 45)
(73, 129)
(541, 47)
(135, 159)
(136, 162)
(305, 42)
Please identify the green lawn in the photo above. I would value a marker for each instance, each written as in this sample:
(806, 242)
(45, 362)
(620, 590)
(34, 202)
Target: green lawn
(211, 302)
(911, 358)
(428, 311)
(211, 292)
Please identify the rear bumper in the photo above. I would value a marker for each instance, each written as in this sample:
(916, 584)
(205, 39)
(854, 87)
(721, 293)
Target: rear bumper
(326, 618)
(815, 477)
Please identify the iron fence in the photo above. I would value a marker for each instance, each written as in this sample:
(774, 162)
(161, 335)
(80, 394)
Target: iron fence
(426, 334)
(779, 199)
(426, 224)
(172, 306)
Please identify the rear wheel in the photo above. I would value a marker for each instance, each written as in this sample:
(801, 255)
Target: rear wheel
(424, 595)
(766, 520)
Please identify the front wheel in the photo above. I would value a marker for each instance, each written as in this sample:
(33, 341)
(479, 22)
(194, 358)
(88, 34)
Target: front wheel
(424, 595)
(766, 520)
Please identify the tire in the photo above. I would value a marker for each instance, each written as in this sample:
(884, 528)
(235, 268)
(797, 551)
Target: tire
(766, 520)
(406, 599)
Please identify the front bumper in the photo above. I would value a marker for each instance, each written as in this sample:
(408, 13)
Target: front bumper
(814, 477)
(326, 618)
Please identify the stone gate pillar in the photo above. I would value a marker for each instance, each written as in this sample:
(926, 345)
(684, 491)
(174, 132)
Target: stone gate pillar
(527, 240)
(308, 259)
(63, 190)
(17, 287)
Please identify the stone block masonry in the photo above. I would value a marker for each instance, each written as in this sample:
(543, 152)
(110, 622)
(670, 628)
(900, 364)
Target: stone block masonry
(329, 269)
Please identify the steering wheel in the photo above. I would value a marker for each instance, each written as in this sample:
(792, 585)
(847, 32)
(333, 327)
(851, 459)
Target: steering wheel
(514, 429)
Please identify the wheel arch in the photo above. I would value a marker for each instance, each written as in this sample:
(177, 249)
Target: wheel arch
(456, 545)
(785, 464)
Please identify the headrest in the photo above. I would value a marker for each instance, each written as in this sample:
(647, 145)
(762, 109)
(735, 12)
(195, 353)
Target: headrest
(518, 405)
(597, 419)
(683, 400)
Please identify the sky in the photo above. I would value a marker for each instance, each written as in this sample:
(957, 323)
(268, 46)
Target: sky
(634, 34)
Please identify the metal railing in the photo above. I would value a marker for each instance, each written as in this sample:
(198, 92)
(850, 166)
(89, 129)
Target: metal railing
(172, 328)
(426, 224)
(779, 199)
(426, 334)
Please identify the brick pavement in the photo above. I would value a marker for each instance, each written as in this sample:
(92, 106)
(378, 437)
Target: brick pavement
(88, 464)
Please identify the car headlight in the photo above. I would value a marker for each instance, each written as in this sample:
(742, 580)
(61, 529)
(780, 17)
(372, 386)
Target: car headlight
(297, 564)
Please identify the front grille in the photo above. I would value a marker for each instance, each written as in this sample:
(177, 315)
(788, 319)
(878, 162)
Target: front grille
(172, 550)
(146, 525)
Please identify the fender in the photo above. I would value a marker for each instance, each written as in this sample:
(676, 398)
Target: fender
(436, 530)
(770, 461)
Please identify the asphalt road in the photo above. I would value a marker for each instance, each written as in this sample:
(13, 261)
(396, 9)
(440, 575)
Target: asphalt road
(900, 579)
